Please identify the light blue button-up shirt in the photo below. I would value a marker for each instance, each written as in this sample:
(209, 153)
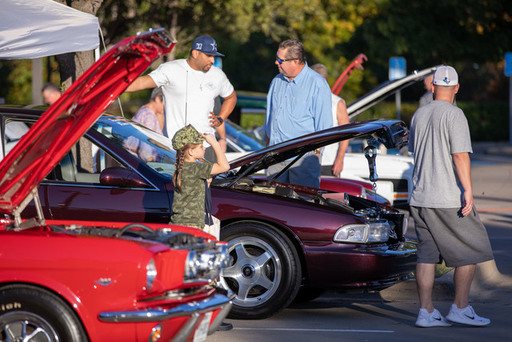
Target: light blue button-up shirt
(297, 107)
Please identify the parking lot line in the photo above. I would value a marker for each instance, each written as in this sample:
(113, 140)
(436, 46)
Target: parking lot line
(319, 330)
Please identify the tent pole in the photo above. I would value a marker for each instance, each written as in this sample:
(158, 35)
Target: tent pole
(37, 81)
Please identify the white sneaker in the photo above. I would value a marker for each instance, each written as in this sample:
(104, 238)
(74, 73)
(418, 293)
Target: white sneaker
(466, 316)
(433, 319)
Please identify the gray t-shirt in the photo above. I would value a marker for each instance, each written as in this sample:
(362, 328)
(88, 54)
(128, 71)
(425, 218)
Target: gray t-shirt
(438, 130)
(426, 98)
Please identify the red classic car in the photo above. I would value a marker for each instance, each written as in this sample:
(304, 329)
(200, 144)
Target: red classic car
(81, 279)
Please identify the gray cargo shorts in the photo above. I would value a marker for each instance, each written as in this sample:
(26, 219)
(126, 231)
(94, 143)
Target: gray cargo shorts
(444, 233)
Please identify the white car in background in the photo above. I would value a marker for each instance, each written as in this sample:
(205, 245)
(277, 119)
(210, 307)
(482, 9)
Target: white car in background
(394, 168)
(394, 174)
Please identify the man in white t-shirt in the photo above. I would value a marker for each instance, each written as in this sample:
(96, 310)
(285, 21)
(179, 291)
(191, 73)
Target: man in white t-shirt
(190, 87)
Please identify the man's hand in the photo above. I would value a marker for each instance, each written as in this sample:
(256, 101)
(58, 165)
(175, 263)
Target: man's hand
(214, 120)
(468, 203)
(337, 167)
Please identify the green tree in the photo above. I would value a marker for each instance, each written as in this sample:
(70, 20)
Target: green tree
(465, 34)
(250, 29)
(472, 35)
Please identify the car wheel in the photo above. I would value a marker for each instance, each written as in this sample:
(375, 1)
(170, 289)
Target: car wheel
(29, 314)
(264, 271)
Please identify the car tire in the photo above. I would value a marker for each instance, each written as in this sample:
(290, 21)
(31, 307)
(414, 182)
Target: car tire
(264, 271)
(23, 309)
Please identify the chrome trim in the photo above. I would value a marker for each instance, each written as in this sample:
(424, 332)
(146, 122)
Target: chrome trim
(221, 315)
(151, 273)
(95, 186)
(159, 314)
(187, 329)
(404, 248)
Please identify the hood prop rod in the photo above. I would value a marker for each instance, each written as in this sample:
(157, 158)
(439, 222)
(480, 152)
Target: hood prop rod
(370, 152)
(285, 168)
(18, 224)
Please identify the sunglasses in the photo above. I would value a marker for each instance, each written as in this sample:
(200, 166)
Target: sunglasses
(281, 61)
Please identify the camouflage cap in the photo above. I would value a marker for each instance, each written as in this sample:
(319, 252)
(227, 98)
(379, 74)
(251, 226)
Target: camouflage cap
(186, 135)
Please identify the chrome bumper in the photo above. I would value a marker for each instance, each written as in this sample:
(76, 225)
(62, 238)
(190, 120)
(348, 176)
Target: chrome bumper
(193, 309)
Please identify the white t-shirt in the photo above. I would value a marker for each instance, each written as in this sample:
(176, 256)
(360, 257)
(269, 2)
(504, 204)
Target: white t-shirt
(189, 95)
(331, 151)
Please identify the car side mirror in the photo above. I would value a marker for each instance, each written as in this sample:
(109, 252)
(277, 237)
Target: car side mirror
(118, 176)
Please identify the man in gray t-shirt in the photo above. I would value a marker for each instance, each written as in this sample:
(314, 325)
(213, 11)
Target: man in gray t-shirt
(447, 224)
(438, 130)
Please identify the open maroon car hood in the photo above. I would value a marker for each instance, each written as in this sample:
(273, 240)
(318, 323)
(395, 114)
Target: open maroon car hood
(51, 137)
(391, 133)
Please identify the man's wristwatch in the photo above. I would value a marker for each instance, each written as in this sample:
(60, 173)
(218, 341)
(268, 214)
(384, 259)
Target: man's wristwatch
(221, 120)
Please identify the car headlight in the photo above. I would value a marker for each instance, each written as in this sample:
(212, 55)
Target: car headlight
(363, 233)
(151, 273)
(206, 265)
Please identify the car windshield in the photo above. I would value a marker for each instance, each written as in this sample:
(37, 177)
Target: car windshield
(151, 148)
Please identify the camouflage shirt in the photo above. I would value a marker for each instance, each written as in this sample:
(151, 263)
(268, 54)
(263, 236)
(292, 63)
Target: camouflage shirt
(188, 204)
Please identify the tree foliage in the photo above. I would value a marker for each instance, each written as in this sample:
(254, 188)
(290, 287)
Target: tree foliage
(433, 31)
(333, 32)
(248, 31)
(472, 35)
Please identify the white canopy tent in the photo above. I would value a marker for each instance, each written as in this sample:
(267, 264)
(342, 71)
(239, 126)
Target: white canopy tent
(31, 29)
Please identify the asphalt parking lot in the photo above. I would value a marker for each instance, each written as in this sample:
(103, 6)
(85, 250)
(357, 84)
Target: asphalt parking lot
(390, 314)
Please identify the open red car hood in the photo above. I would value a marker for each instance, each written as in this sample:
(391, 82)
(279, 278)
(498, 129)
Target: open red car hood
(51, 137)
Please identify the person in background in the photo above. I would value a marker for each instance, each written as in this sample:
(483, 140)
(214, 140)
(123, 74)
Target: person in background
(333, 155)
(151, 115)
(190, 87)
(427, 97)
(51, 93)
(298, 103)
(447, 223)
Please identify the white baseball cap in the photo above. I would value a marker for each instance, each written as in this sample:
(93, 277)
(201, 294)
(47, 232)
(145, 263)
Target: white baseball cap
(446, 76)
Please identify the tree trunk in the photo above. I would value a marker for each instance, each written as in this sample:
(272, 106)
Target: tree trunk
(73, 65)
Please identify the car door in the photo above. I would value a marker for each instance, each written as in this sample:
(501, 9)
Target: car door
(73, 189)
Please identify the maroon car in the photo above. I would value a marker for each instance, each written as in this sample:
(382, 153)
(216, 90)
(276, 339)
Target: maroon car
(282, 238)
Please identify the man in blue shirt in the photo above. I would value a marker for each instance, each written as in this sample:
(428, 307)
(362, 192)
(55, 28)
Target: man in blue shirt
(298, 103)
